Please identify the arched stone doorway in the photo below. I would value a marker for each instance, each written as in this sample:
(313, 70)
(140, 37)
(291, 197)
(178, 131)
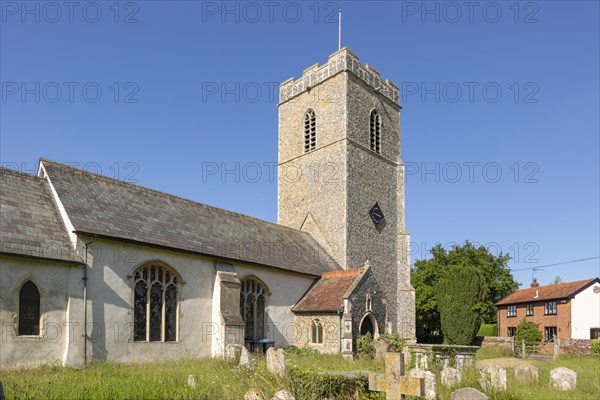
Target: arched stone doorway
(368, 325)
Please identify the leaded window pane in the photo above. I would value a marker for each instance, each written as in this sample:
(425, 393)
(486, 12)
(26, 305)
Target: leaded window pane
(250, 317)
(140, 311)
(171, 313)
(260, 317)
(29, 309)
(156, 304)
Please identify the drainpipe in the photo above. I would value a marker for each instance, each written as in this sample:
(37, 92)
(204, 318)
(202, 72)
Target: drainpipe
(341, 314)
(85, 279)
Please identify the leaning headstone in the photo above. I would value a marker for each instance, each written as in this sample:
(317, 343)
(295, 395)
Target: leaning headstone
(230, 353)
(191, 382)
(468, 394)
(492, 378)
(450, 377)
(276, 361)
(563, 378)
(245, 359)
(430, 381)
(253, 394)
(526, 373)
(283, 395)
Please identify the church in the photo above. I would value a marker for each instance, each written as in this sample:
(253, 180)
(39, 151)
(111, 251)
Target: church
(96, 269)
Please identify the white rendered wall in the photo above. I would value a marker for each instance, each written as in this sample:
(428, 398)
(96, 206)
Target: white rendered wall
(585, 313)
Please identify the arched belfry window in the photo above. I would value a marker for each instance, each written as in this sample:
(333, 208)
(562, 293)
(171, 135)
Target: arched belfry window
(253, 298)
(310, 130)
(375, 130)
(29, 309)
(316, 331)
(156, 289)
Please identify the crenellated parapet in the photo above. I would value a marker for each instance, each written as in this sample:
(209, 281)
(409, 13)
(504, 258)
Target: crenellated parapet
(342, 60)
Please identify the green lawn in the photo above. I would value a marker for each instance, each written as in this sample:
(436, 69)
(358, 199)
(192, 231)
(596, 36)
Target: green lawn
(218, 379)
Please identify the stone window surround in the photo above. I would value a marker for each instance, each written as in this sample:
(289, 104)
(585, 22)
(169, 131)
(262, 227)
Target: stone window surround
(180, 284)
(266, 294)
(43, 300)
(317, 332)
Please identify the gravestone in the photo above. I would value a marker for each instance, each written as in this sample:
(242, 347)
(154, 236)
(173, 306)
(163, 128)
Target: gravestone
(451, 376)
(230, 352)
(245, 359)
(276, 361)
(526, 374)
(492, 378)
(394, 382)
(468, 394)
(191, 382)
(430, 381)
(283, 395)
(253, 394)
(563, 378)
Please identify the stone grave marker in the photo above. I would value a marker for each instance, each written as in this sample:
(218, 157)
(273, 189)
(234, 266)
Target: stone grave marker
(430, 382)
(563, 378)
(468, 394)
(492, 378)
(276, 361)
(394, 382)
(451, 376)
(526, 373)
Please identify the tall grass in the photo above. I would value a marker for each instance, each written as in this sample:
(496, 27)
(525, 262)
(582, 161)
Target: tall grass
(218, 379)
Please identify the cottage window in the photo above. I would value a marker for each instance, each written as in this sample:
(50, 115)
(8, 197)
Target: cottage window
(512, 311)
(550, 333)
(530, 309)
(550, 308)
(375, 131)
(594, 333)
(317, 332)
(156, 289)
(29, 309)
(511, 331)
(310, 130)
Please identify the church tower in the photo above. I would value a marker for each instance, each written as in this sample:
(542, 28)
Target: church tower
(340, 176)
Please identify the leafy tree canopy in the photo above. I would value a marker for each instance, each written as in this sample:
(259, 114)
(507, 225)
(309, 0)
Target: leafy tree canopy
(497, 281)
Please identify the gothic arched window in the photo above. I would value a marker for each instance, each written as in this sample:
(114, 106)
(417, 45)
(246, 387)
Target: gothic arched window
(316, 330)
(310, 130)
(375, 130)
(253, 298)
(29, 309)
(155, 303)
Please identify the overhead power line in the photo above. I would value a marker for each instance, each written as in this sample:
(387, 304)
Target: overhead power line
(553, 265)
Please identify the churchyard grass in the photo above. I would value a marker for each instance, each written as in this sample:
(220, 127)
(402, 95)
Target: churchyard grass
(588, 379)
(218, 379)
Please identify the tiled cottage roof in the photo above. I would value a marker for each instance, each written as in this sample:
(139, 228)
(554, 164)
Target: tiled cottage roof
(103, 206)
(30, 224)
(549, 292)
(328, 293)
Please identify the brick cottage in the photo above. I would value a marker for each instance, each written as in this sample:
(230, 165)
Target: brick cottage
(568, 310)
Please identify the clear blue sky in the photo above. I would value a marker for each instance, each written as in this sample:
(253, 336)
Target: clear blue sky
(495, 88)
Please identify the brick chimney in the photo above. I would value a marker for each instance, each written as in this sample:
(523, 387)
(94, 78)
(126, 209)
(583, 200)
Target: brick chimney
(535, 283)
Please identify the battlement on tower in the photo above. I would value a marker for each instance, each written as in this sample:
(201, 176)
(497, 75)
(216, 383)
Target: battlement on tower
(341, 60)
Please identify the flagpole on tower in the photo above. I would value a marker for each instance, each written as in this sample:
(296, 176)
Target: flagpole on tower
(339, 29)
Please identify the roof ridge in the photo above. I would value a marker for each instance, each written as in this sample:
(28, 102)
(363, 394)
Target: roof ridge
(19, 173)
(342, 272)
(140, 187)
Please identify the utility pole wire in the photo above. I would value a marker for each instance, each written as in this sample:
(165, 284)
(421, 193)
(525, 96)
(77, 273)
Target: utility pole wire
(553, 265)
